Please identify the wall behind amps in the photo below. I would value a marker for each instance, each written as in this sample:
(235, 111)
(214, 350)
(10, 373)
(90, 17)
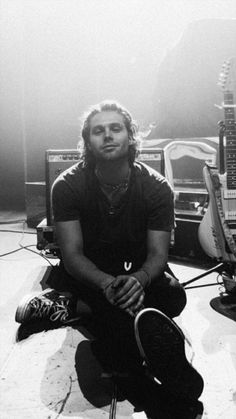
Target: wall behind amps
(56, 161)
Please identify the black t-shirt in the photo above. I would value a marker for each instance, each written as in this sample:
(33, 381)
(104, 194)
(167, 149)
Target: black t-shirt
(118, 240)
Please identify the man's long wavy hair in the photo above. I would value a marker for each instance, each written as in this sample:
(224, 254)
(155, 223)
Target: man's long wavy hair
(86, 154)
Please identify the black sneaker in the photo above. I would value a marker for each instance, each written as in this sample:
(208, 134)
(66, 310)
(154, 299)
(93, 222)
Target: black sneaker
(46, 305)
(162, 345)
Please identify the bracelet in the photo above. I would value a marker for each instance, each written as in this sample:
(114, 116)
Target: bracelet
(148, 276)
(105, 288)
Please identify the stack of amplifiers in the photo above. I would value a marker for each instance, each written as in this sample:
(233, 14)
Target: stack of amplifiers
(56, 162)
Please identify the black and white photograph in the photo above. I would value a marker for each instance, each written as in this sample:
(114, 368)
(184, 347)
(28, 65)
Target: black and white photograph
(118, 209)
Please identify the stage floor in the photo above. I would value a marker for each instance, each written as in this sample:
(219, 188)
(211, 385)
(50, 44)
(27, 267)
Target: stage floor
(39, 378)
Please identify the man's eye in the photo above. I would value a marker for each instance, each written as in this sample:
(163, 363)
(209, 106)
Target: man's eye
(98, 131)
(116, 128)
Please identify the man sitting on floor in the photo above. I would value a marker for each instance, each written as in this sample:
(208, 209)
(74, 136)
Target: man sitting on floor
(113, 217)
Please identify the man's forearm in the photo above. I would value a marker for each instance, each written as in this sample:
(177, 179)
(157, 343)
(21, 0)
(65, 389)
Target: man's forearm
(86, 272)
(151, 269)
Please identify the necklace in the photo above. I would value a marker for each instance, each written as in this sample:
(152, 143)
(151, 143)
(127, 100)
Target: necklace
(121, 185)
(114, 193)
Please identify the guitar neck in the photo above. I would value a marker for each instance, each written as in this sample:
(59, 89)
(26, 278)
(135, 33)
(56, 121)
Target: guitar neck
(230, 134)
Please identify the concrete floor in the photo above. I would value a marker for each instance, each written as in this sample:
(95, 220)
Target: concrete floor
(39, 378)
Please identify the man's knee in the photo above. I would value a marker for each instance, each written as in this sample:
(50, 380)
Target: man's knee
(167, 295)
(178, 296)
(180, 300)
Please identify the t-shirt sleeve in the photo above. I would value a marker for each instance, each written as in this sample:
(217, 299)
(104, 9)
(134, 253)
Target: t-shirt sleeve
(161, 207)
(64, 203)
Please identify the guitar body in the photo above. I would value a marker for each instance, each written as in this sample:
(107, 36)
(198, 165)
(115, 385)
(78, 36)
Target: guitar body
(217, 231)
(210, 233)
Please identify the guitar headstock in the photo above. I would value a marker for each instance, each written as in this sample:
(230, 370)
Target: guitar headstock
(225, 76)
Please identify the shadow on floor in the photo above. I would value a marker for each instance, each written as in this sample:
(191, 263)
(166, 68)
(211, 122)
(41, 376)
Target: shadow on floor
(225, 305)
(97, 379)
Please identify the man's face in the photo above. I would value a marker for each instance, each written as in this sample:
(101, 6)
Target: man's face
(108, 136)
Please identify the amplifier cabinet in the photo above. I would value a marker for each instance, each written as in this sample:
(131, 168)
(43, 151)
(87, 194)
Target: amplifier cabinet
(35, 202)
(186, 244)
(56, 162)
(153, 157)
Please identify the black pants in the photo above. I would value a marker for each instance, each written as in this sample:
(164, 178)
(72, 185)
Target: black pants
(113, 326)
(115, 348)
(165, 294)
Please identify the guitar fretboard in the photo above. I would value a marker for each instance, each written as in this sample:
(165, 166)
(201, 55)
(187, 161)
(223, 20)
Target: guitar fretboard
(230, 134)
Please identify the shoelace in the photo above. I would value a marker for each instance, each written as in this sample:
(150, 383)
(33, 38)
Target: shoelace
(45, 308)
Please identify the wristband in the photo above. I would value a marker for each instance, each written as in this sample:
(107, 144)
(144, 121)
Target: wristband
(147, 275)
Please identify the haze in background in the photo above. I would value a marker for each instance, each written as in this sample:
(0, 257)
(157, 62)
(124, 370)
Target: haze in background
(60, 56)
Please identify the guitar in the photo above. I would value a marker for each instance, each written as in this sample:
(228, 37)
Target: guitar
(217, 231)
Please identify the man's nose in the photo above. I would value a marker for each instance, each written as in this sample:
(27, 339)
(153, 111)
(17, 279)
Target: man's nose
(108, 135)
